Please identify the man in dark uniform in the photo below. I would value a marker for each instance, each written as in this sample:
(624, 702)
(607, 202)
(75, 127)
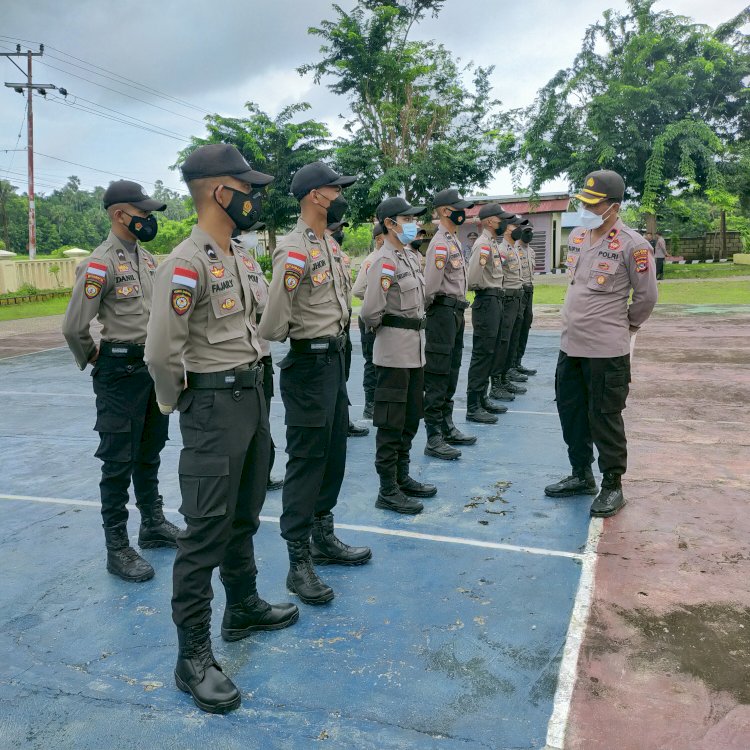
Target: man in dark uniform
(309, 304)
(485, 277)
(344, 265)
(445, 299)
(528, 260)
(394, 308)
(606, 261)
(115, 285)
(367, 337)
(203, 332)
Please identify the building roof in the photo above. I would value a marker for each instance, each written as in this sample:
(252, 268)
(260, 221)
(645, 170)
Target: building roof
(522, 204)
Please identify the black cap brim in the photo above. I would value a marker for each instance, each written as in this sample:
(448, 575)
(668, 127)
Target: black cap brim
(337, 225)
(151, 204)
(343, 181)
(462, 204)
(259, 179)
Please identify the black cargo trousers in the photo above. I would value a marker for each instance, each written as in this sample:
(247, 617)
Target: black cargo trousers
(486, 320)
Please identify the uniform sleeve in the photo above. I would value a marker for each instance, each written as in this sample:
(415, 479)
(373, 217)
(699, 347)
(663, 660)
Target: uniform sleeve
(94, 279)
(289, 266)
(480, 254)
(358, 290)
(375, 294)
(642, 272)
(434, 269)
(177, 287)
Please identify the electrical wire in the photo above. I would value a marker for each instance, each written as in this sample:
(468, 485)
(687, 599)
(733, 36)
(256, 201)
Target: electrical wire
(18, 140)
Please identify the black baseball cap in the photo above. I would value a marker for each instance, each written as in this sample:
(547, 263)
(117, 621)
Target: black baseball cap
(377, 229)
(337, 225)
(125, 191)
(602, 185)
(220, 160)
(494, 209)
(392, 207)
(317, 175)
(450, 197)
(519, 221)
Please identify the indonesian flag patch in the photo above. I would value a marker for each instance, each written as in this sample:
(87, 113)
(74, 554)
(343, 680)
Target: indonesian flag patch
(185, 277)
(294, 267)
(441, 254)
(387, 273)
(484, 254)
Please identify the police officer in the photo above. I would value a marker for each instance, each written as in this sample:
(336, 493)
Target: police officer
(485, 277)
(445, 299)
(512, 377)
(606, 261)
(309, 304)
(367, 336)
(528, 261)
(503, 387)
(394, 308)
(114, 285)
(206, 297)
(344, 266)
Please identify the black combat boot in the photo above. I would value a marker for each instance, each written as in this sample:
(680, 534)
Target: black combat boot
(454, 436)
(198, 673)
(249, 613)
(412, 487)
(498, 392)
(524, 370)
(475, 411)
(155, 530)
(580, 482)
(437, 447)
(122, 559)
(302, 578)
(391, 497)
(355, 431)
(492, 407)
(368, 410)
(514, 376)
(514, 388)
(327, 549)
(610, 499)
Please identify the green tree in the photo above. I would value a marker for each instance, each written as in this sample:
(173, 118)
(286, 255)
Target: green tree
(170, 234)
(179, 206)
(415, 126)
(277, 146)
(652, 95)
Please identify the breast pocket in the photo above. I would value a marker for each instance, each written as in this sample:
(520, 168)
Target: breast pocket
(409, 288)
(601, 281)
(128, 299)
(226, 321)
(321, 285)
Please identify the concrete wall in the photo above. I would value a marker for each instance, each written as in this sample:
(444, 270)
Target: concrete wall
(15, 273)
(705, 248)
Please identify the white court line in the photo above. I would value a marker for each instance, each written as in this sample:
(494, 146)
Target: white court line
(350, 527)
(28, 354)
(566, 678)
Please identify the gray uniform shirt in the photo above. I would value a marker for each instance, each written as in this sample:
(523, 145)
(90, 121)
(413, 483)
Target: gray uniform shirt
(527, 260)
(259, 284)
(307, 299)
(203, 314)
(395, 286)
(485, 264)
(596, 317)
(445, 269)
(114, 285)
(358, 290)
(343, 264)
(660, 251)
(511, 266)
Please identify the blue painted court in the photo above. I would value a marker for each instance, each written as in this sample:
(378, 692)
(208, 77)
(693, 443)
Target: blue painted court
(451, 638)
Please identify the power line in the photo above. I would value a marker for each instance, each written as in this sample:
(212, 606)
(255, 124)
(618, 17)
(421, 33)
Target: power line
(18, 140)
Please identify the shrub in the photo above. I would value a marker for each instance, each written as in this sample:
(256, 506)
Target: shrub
(26, 289)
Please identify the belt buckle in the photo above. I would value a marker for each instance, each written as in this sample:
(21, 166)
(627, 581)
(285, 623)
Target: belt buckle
(318, 346)
(230, 379)
(119, 350)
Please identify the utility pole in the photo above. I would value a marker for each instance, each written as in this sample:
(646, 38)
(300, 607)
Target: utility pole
(29, 86)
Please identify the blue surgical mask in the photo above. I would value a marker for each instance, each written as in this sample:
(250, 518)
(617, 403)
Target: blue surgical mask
(408, 232)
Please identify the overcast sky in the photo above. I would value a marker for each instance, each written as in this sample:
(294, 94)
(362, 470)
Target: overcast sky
(245, 50)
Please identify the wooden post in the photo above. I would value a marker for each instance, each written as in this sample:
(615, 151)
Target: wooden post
(723, 250)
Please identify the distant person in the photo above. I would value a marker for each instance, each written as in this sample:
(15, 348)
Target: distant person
(468, 246)
(660, 253)
(606, 260)
(650, 239)
(115, 286)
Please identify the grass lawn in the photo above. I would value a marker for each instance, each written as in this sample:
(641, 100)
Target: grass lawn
(698, 292)
(55, 306)
(704, 270)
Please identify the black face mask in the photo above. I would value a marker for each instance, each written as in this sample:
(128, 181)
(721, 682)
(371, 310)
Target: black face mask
(501, 227)
(144, 229)
(516, 233)
(336, 210)
(338, 236)
(244, 208)
(416, 244)
(527, 234)
(457, 216)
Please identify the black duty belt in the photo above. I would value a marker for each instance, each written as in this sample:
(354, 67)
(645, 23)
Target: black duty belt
(490, 293)
(329, 345)
(513, 292)
(116, 349)
(396, 321)
(239, 377)
(461, 304)
(528, 287)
